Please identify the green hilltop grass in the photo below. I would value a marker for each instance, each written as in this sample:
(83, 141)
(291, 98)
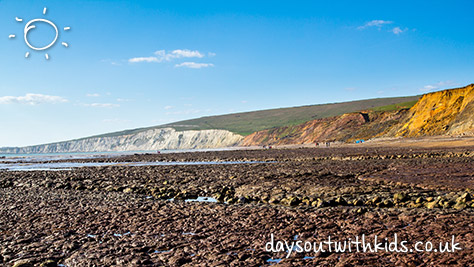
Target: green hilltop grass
(246, 123)
(394, 107)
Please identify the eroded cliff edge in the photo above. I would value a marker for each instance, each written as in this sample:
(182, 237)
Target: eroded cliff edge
(447, 112)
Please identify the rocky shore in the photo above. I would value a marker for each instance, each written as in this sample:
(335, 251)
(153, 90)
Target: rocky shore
(139, 216)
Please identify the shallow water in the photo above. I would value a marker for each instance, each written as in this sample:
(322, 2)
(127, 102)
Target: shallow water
(31, 157)
(61, 166)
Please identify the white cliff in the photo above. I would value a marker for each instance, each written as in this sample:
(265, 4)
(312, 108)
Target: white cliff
(155, 139)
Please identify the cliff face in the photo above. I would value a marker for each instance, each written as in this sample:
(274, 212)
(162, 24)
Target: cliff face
(444, 112)
(156, 139)
(448, 112)
(347, 127)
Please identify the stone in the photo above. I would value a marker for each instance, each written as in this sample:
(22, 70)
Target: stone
(341, 201)
(357, 202)
(432, 204)
(419, 200)
(399, 197)
(460, 205)
(128, 190)
(23, 263)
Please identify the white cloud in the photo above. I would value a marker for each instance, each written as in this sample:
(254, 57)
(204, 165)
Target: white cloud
(398, 30)
(143, 59)
(211, 54)
(194, 65)
(186, 53)
(439, 85)
(162, 55)
(102, 105)
(375, 23)
(32, 99)
(93, 95)
(168, 107)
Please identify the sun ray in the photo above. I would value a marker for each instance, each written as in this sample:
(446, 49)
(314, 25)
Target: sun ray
(11, 36)
(44, 11)
(46, 56)
(67, 28)
(18, 19)
(65, 44)
(27, 54)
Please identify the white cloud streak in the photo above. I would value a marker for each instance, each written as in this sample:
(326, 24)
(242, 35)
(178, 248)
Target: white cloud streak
(93, 95)
(143, 59)
(439, 85)
(32, 99)
(102, 105)
(194, 65)
(375, 23)
(398, 30)
(163, 56)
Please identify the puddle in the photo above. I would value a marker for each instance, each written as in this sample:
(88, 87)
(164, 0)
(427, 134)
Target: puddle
(201, 199)
(274, 261)
(162, 251)
(188, 233)
(308, 258)
(198, 199)
(120, 235)
(92, 236)
(62, 166)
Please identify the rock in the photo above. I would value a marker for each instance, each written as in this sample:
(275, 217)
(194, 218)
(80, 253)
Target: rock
(23, 263)
(466, 197)
(294, 201)
(361, 210)
(376, 200)
(432, 204)
(341, 201)
(357, 202)
(306, 201)
(399, 197)
(128, 190)
(460, 205)
(419, 200)
(320, 203)
(274, 200)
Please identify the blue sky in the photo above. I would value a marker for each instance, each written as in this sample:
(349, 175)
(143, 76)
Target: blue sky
(132, 64)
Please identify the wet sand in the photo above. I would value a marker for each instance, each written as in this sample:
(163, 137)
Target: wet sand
(123, 216)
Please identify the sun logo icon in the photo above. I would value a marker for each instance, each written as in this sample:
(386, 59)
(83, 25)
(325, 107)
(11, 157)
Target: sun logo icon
(30, 25)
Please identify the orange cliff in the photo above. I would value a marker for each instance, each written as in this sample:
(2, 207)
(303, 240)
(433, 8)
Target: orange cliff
(444, 112)
(348, 127)
(448, 112)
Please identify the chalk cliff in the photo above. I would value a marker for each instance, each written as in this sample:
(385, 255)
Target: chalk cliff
(155, 139)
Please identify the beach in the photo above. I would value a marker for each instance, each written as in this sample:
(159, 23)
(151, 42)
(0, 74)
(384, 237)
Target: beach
(221, 208)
